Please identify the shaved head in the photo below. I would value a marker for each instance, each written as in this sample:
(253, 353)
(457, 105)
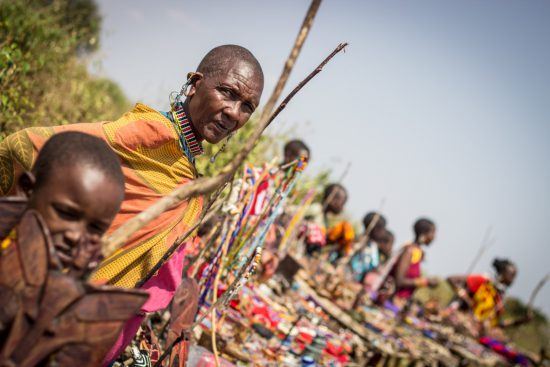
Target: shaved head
(224, 92)
(220, 59)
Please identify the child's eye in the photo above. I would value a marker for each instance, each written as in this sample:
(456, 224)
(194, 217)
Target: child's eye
(66, 213)
(97, 228)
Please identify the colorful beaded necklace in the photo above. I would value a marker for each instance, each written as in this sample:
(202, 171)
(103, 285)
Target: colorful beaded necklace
(185, 130)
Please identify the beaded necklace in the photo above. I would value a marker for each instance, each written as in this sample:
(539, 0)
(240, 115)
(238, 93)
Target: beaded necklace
(185, 131)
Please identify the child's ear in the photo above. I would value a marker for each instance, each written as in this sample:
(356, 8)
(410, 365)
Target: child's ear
(26, 183)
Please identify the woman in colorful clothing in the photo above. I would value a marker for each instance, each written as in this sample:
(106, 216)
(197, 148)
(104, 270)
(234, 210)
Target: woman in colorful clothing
(484, 295)
(407, 271)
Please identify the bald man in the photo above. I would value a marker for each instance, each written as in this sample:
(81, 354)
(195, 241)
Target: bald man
(157, 151)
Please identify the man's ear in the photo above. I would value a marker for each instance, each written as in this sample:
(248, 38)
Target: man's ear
(196, 79)
(26, 184)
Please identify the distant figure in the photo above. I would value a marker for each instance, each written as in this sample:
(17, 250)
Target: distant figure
(484, 295)
(385, 246)
(367, 258)
(407, 272)
(340, 232)
(295, 149)
(296, 155)
(318, 219)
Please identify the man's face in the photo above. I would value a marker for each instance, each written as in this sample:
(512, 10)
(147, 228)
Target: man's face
(78, 204)
(222, 103)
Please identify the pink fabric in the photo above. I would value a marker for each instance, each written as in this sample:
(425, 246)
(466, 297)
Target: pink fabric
(208, 360)
(161, 289)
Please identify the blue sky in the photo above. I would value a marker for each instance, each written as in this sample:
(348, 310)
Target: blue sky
(442, 107)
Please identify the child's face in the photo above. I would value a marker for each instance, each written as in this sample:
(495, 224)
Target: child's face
(78, 204)
(294, 154)
(337, 201)
(509, 275)
(430, 236)
(386, 247)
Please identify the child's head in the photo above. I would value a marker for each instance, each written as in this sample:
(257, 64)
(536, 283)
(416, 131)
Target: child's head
(376, 223)
(506, 271)
(295, 149)
(424, 231)
(77, 186)
(385, 242)
(334, 198)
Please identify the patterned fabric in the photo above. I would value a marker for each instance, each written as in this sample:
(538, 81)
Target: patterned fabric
(367, 259)
(343, 234)
(153, 165)
(185, 130)
(509, 353)
(6, 242)
(487, 300)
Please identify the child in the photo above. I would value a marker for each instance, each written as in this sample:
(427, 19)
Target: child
(407, 273)
(76, 186)
(368, 257)
(339, 232)
(483, 294)
(294, 150)
(385, 245)
(73, 193)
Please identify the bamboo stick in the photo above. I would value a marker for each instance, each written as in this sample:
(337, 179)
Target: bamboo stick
(291, 60)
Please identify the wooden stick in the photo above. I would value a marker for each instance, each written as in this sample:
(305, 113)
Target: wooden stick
(339, 182)
(291, 60)
(225, 297)
(215, 293)
(204, 185)
(536, 291)
(486, 242)
(206, 216)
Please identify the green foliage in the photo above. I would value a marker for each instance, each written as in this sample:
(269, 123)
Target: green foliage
(41, 78)
(531, 336)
